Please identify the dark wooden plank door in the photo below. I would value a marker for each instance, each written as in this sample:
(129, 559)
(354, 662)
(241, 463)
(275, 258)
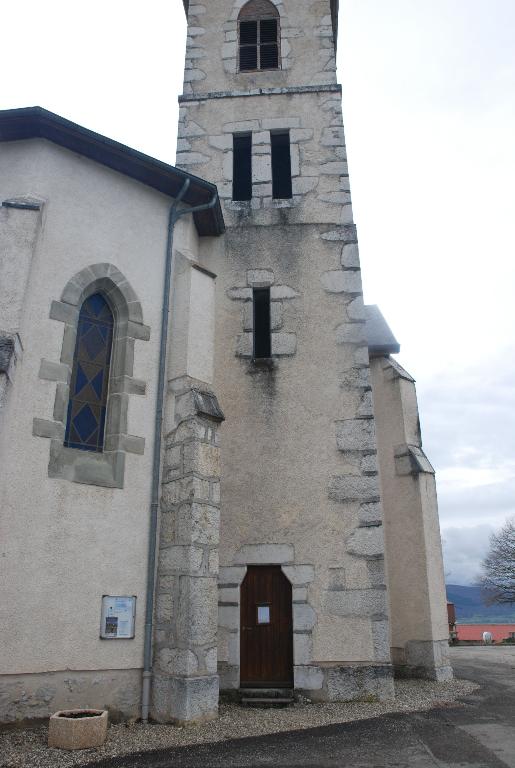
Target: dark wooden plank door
(266, 629)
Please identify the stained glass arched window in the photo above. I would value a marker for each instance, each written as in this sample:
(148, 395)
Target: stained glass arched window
(90, 376)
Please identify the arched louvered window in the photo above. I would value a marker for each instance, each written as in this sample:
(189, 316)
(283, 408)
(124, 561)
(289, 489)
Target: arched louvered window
(86, 416)
(258, 30)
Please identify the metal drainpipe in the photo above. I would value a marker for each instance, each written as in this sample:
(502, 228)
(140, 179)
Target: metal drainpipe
(174, 216)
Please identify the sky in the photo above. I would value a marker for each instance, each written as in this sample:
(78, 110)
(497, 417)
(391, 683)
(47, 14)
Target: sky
(429, 111)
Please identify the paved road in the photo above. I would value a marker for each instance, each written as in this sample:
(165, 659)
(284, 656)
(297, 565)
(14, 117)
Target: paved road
(480, 734)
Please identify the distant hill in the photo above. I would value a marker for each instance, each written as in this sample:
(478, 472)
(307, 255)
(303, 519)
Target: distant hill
(471, 609)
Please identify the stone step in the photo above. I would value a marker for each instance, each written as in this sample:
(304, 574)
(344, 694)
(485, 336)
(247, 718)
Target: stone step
(266, 698)
(273, 703)
(266, 693)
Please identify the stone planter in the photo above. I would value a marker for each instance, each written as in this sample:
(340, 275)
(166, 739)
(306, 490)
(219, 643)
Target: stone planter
(77, 728)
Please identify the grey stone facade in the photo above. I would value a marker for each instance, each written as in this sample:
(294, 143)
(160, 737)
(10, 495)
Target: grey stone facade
(305, 249)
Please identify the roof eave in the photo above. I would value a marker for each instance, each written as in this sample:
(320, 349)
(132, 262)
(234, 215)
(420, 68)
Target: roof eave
(36, 122)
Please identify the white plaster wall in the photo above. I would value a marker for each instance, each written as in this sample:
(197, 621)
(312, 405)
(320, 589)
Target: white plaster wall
(193, 311)
(65, 544)
(18, 233)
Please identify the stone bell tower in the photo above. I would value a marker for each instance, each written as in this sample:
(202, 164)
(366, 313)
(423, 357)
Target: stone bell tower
(261, 117)
(302, 600)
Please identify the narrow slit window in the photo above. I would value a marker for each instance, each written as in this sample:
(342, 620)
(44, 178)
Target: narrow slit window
(281, 166)
(262, 334)
(242, 167)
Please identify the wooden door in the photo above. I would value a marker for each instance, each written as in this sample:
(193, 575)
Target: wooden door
(266, 629)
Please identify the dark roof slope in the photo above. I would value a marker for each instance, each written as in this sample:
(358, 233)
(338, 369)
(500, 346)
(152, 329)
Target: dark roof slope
(35, 122)
(381, 340)
(334, 16)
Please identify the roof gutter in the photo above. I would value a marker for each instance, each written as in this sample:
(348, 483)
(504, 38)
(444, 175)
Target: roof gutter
(174, 215)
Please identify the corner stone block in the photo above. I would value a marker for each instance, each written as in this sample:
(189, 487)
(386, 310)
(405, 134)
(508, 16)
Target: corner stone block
(356, 602)
(284, 343)
(197, 616)
(338, 281)
(302, 648)
(229, 616)
(366, 542)
(354, 488)
(356, 309)
(265, 554)
(260, 277)
(355, 435)
(202, 458)
(244, 345)
(355, 683)
(185, 699)
(351, 333)
(308, 678)
(304, 617)
(355, 378)
(231, 574)
(181, 559)
(298, 575)
(370, 514)
(198, 524)
(350, 256)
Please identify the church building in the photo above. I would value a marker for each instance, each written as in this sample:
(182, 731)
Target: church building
(212, 477)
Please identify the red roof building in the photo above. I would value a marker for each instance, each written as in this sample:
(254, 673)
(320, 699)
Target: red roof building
(471, 632)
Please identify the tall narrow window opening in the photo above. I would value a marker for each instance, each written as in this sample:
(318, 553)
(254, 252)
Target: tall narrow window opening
(262, 326)
(281, 166)
(86, 416)
(258, 26)
(242, 167)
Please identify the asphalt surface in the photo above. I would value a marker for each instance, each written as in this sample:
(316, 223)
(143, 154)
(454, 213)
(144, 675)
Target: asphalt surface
(478, 734)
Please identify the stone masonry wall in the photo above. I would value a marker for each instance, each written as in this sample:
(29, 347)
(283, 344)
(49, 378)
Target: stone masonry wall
(299, 475)
(306, 46)
(185, 680)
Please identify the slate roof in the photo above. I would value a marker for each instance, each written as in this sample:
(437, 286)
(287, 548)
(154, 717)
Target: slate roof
(36, 122)
(381, 340)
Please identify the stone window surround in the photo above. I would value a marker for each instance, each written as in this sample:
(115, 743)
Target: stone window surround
(304, 616)
(261, 131)
(257, 16)
(283, 344)
(231, 40)
(105, 469)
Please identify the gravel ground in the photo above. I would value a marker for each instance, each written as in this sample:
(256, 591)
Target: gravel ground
(28, 748)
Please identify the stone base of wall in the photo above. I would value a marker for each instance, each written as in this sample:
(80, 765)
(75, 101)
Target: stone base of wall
(359, 682)
(36, 696)
(229, 676)
(349, 682)
(185, 700)
(425, 659)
